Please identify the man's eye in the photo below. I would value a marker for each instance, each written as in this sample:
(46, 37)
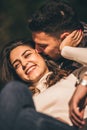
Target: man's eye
(42, 46)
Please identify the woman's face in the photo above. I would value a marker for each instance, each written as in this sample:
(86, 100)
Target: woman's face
(28, 64)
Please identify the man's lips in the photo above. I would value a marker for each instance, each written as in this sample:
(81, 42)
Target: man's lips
(30, 69)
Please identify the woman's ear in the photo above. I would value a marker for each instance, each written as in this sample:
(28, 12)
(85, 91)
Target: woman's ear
(64, 35)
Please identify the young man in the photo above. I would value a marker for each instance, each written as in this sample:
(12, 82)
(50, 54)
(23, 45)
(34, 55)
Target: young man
(51, 25)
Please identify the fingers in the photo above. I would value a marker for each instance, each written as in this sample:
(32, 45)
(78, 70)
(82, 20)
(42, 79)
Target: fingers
(77, 120)
(78, 124)
(77, 36)
(76, 116)
(72, 39)
(77, 106)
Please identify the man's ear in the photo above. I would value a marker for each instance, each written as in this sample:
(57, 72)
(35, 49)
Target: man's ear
(64, 35)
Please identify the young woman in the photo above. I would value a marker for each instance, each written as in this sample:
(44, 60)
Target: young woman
(52, 88)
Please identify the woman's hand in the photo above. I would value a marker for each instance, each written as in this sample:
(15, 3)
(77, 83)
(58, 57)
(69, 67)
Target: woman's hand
(72, 39)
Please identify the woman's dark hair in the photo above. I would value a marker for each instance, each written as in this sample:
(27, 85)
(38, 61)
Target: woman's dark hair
(8, 73)
(57, 73)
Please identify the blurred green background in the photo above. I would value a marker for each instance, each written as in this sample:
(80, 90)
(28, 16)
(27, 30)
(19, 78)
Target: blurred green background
(14, 16)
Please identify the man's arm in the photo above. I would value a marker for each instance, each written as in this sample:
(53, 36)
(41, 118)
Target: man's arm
(75, 53)
(78, 103)
(69, 49)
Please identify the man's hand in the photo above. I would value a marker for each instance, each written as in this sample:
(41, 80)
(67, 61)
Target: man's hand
(72, 39)
(77, 106)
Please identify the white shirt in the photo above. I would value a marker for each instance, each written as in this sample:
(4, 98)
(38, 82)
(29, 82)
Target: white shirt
(53, 101)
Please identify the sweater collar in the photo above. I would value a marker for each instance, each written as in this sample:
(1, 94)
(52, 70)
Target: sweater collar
(41, 85)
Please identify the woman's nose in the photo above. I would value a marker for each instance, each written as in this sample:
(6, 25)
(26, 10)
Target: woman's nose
(24, 64)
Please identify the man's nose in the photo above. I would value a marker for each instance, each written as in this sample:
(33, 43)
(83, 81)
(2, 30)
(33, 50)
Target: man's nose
(39, 50)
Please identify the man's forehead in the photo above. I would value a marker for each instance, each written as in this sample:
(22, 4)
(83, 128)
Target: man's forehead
(41, 37)
(40, 34)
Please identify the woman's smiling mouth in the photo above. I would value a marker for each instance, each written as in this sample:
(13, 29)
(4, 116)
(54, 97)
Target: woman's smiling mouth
(30, 69)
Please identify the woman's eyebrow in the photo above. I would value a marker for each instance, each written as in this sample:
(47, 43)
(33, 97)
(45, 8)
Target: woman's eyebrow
(25, 52)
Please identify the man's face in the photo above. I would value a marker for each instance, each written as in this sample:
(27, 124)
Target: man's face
(47, 44)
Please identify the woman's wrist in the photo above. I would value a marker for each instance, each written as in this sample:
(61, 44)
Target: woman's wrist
(83, 81)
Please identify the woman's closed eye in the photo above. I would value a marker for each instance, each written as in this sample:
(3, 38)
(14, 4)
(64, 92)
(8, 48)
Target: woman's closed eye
(27, 55)
(17, 65)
